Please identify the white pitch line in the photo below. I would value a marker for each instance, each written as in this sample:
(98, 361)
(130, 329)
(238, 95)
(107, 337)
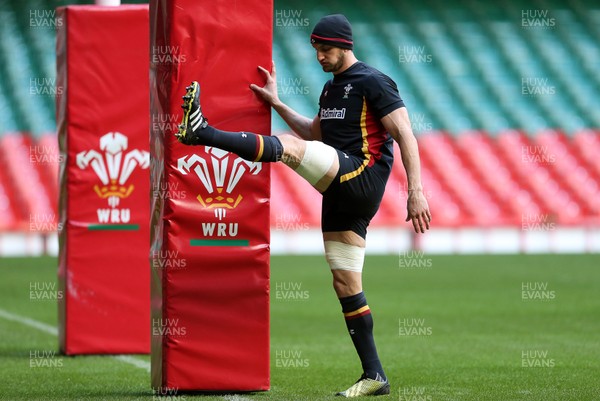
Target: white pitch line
(133, 361)
(46, 328)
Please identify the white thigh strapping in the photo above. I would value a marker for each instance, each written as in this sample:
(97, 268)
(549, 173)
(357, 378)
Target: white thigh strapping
(342, 256)
(316, 162)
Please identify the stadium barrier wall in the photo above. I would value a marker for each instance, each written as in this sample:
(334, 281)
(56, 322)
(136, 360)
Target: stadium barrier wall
(102, 119)
(210, 219)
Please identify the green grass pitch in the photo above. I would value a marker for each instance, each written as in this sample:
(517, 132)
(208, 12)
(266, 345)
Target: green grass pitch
(447, 328)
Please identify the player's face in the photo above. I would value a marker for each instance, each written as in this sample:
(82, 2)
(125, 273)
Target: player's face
(331, 58)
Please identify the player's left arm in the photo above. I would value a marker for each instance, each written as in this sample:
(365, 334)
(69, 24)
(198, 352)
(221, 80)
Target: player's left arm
(397, 124)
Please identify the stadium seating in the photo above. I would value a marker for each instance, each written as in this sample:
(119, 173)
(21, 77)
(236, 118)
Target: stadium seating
(472, 179)
(506, 114)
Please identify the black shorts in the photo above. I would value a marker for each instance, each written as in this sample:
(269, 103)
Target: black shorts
(354, 196)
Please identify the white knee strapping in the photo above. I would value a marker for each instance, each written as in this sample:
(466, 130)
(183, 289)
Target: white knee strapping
(316, 162)
(342, 256)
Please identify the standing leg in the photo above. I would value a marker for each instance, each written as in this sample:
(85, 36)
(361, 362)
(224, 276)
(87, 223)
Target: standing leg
(345, 252)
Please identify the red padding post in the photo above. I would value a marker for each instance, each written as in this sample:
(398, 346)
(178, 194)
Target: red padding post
(210, 221)
(103, 123)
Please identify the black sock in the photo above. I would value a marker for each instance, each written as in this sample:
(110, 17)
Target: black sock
(249, 146)
(360, 326)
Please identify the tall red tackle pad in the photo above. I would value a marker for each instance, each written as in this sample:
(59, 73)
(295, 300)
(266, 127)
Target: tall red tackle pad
(102, 121)
(210, 211)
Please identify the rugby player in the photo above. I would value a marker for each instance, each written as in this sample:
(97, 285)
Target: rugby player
(346, 153)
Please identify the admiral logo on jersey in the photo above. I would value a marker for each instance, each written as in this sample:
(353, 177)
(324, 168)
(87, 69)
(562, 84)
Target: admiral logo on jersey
(329, 114)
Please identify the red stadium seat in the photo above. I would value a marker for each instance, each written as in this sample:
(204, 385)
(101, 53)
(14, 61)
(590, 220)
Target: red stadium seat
(478, 207)
(531, 163)
(306, 198)
(479, 155)
(48, 167)
(8, 218)
(285, 209)
(587, 144)
(571, 170)
(29, 190)
(392, 211)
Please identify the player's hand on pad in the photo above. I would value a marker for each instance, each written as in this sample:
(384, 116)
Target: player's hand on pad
(269, 91)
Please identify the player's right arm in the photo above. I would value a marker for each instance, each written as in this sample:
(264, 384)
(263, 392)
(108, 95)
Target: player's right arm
(304, 127)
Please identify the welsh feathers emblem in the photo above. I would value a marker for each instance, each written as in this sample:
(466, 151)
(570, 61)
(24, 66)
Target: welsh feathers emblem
(114, 166)
(219, 175)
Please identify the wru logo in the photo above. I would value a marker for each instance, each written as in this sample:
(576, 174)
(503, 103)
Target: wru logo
(219, 175)
(113, 168)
